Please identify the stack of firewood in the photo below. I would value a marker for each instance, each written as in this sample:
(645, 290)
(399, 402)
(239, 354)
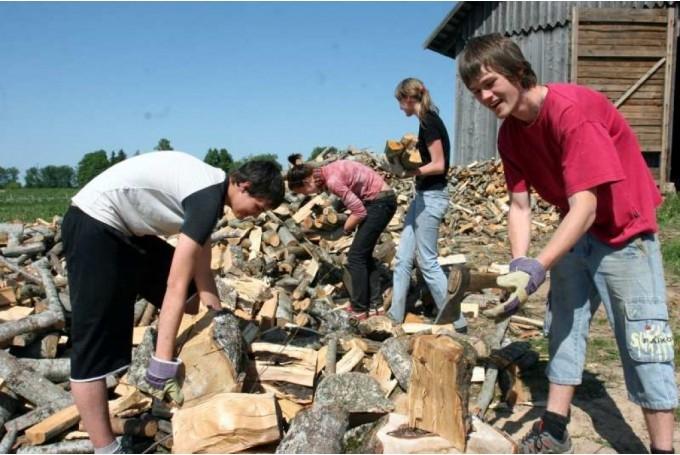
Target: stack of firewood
(282, 367)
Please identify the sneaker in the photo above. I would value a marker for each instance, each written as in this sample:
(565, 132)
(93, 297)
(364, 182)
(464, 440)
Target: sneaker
(355, 315)
(376, 311)
(539, 441)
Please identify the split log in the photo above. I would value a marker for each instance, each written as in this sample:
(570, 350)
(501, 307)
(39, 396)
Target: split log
(285, 363)
(52, 426)
(393, 435)
(287, 239)
(395, 351)
(306, 210)
(267, 314)
(255, 238)
(489, 387)
(349, 360)
(148, 314)
(318, 429)
(45, 347)
(301, 290)
(284, 310)
(440, 373)
(271, 238)
(226, 423)
(486, 439)
(288, 391)
(288, 264)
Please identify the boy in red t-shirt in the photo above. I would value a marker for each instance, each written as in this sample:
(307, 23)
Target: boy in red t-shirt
(575, 149)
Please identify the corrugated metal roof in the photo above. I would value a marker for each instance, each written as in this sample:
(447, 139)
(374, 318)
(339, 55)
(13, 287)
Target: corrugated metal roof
(468, 19)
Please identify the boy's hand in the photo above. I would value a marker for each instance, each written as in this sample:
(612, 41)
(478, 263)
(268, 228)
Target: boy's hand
(525, 277)
(162, 377)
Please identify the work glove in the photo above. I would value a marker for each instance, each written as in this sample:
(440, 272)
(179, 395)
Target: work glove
(525, 277)
(335, 234)
(162, 377)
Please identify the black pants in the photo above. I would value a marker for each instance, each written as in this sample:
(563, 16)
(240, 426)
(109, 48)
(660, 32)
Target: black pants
(360, 263)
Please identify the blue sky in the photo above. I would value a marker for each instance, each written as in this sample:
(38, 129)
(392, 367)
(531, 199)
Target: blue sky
(251, 77)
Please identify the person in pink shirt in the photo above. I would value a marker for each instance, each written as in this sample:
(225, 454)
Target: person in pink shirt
(372, 204)
(570, 144)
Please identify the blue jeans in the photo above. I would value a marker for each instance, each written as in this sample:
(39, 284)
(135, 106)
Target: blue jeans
(629, 282)
(419, 239)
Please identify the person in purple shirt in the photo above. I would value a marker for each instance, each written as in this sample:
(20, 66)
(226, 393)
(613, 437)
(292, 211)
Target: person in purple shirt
(372, 204)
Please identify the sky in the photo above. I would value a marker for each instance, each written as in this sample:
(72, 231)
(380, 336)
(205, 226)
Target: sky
(252, 77)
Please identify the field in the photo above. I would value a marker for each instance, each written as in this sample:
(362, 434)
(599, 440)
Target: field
(27, 204)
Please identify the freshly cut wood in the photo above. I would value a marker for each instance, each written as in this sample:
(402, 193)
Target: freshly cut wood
(271, 238)
(54, 425)
(306, 210)
(44, 347)
(226, 423)
(255, 237)
(395, 436)
(349, 361)
(15, 313)
(292, 392)
(7, 296)
(486, 439)
(249, 289)
(318, 429)
(292, 364)
(147, 427)
(138, 334)
(289, 409)
(287, 239)
(267, 314)
(440, 371)
(380, 371)
(208, 369)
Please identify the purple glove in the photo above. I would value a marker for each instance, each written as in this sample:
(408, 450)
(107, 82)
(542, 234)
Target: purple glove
(160, 371)
(531, 267)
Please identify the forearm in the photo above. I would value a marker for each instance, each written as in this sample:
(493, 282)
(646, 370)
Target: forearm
(432, 168)
(204, 279)
(571, 229)
(519, 230)
(169, 320)
(352, 222)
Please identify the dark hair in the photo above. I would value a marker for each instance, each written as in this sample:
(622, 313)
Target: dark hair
(265, 180)
(298, 171)
(497, 53)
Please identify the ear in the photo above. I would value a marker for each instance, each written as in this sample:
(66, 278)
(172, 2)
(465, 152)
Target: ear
(244, 186)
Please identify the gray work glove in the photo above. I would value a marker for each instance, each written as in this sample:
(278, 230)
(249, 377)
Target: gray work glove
(162, 377)
(525, 277)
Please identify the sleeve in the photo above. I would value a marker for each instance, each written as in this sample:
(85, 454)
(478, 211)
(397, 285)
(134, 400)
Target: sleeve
(430, 130)
(351, 200)
(514, 178)
(202, 210)
(589, 156)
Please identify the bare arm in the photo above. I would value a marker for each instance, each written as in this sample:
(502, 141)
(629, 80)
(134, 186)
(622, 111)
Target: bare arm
(351, 223)
(519, 223)
(182, 269)
(582, 209)
(205, 281)
(434, 167)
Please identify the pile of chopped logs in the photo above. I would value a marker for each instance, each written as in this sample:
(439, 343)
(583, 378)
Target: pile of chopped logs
(282, 368)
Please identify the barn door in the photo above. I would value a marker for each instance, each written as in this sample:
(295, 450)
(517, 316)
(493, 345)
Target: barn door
(628, 54)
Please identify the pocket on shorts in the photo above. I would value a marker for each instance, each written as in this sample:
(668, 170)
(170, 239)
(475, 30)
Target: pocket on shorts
(648, 334)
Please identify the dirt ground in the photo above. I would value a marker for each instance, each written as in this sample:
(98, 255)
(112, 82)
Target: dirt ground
(603, 419)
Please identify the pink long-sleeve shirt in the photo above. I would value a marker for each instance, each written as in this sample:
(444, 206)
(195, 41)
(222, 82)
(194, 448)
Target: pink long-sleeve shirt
(352, 182)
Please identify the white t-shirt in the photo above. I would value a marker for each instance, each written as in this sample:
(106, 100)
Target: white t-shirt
(157, 193)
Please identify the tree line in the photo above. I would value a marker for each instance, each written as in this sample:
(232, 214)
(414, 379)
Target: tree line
(94, 163)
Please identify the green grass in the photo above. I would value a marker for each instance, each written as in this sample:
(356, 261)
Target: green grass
(27, 204)
(669, 224)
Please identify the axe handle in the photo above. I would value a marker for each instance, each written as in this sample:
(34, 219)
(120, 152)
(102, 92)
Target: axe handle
(481, 280)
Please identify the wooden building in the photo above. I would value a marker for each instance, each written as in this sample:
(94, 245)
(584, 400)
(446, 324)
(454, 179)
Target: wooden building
(626, 50)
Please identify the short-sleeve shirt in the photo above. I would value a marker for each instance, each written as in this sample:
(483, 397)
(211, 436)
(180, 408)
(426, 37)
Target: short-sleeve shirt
(432, 128)
(157, 193)
(579, 141)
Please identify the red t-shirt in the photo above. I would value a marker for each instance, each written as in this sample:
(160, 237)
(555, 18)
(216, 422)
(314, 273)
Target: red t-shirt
(580, 141)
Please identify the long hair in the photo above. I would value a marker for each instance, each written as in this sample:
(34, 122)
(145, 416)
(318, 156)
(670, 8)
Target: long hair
(414, 88)
(298, 171)
(497, 53)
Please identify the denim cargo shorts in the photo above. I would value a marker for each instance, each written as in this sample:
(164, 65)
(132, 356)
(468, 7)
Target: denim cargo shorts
(630, 282)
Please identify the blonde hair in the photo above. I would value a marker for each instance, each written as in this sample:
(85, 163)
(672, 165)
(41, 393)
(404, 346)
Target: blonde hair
(414, 88)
